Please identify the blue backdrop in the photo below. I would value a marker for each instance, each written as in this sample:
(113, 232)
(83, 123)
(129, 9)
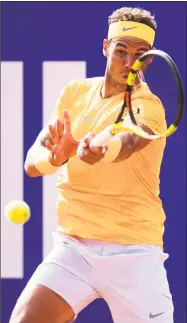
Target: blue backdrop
(58, 31)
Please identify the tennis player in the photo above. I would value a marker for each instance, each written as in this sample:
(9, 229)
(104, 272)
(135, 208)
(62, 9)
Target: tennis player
(109, 238)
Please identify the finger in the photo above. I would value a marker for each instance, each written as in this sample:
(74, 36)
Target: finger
(99, 150)
(88, 154)
(104, 149)
(50, 147)
(53, 133)
(89, 157)
(67, 122)
(59, 128)
(88, 138)
(80, 151)
(96, 150)
(83, 144)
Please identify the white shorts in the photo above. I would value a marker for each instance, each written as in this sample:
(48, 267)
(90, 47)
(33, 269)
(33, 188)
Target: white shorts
(130, 278)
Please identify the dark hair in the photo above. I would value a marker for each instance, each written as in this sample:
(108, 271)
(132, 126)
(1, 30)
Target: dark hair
(133, 14)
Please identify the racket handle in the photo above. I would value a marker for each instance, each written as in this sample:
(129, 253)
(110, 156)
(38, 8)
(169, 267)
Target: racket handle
(102, 138)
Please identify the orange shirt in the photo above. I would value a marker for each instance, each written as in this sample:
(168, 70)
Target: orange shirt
(116, 202)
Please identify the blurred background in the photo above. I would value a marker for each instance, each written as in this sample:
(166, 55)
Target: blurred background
(44, 45)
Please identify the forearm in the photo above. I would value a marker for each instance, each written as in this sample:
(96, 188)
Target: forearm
(120, 147)
(31, 170)
(39, 162)
(36, 153)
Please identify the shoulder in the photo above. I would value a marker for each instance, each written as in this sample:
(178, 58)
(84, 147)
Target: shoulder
(74, 90)
(143, 96)
(85, 84)
(79, 87)
(148, 109)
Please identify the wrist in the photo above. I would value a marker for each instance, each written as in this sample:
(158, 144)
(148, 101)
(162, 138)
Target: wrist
(58, 163)
(55, 162)
(41, 161)
(74, 152)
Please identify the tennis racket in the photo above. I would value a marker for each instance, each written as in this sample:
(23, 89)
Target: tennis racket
(133, 127)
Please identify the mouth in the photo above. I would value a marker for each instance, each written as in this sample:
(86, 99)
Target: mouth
(125, 75)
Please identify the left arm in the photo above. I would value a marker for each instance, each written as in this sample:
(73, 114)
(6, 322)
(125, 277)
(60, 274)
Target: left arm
(129, 143)
(151, 119)
(123, 145)
(119, 148)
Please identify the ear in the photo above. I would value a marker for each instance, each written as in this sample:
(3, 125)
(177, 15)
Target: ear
(105, 47)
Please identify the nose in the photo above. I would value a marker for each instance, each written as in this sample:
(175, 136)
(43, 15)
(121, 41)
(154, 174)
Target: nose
(127, 66)
(129, 61)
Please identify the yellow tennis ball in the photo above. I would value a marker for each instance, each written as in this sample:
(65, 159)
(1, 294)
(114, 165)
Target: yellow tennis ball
(17, 212)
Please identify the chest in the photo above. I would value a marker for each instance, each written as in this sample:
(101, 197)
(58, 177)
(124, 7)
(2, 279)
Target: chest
(92, 114)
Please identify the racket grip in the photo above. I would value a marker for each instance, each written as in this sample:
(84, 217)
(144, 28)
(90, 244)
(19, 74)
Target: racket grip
(102, 138)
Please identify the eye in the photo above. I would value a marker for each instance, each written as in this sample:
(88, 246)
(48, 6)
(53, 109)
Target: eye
(138, 54)
(121, 52)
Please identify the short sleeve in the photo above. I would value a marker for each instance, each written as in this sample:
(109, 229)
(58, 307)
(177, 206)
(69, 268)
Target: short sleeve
(150, 112)
(64, 102)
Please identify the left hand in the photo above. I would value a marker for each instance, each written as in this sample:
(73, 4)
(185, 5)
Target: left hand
(90, 155)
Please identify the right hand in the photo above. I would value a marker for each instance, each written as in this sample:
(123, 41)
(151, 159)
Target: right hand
(62, 145)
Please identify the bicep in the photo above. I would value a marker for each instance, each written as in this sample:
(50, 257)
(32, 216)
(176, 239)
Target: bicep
(152, 115)
(151, 119)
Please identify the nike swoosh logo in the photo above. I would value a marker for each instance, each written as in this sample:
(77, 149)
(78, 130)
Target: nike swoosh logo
(165, 296)
(125, 29)
(152, 316)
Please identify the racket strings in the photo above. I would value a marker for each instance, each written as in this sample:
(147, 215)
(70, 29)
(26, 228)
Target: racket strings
(127, 108)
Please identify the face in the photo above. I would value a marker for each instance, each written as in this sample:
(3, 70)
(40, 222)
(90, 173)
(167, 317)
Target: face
(121, 54)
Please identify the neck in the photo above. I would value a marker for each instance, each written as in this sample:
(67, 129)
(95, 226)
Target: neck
(110, 87)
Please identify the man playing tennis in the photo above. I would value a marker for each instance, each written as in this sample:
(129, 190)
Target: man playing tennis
(109, 239)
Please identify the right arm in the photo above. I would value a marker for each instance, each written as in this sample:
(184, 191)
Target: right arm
(54, 144)
(37, 149)
(52, 148)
